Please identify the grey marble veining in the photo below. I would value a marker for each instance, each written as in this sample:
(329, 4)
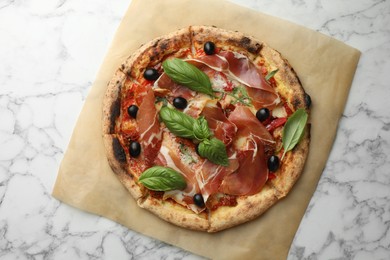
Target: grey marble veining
(50, 52)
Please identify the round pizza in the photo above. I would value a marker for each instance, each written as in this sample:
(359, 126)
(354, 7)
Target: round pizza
(206, 128)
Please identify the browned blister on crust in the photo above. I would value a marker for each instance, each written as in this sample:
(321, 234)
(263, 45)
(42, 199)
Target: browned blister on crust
(118, 159)
(112, 102)
(150, 54)
(288, 84)
(225, 40)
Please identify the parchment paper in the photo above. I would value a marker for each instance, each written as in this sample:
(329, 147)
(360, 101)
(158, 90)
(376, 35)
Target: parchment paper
(325, 67)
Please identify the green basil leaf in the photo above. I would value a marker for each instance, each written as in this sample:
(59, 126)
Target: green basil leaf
(188, 75)
(271, 74)
(177, 122)
(214, 150)
(160, 178)
(293, 130)
(201, 129)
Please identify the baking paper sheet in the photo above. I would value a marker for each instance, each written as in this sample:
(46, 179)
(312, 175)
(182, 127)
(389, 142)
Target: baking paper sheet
(326, 68)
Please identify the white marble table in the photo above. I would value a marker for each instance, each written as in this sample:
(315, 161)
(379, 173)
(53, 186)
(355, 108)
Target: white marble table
(50, 51)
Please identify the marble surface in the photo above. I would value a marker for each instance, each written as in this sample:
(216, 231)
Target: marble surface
(50, 51)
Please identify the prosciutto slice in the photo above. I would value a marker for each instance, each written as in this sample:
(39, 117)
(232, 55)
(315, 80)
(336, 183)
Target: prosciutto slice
(252, 173)
(248, 124)
(210, 175)
(149, 129)
(165, 86)
(249, 142)
(240, 68)
(222, 128)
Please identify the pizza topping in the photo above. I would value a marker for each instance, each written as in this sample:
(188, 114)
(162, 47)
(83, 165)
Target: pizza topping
(214, 150)
(293, 130)
(277, 122)
(188, 75)
(180, 102)
(185, 126)
(160, 178)
(210, 175)
(252, 173)
(134, 149)
(219, 124)
(165, 87)
(149, 129)
(151, 74)
(178, 123)
(271, 74)
(198, 200)
(132, 111)
(245, 120)
(209, 48)
(273, 163)
(263, 114)
(201, 129)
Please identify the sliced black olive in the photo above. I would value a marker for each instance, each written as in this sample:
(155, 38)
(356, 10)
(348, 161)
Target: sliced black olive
(262, 114)
(180, 102)
(132, 111)
(307, 100)
(135, 149)
(151, 74)
(209, 48)
(273, 163)
(198, 200)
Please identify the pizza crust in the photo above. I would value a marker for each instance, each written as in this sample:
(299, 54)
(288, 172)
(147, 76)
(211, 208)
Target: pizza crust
(247, 208)
(112, 102)
(117, 159)
(292, 166)
(175, 213)
(150, 54)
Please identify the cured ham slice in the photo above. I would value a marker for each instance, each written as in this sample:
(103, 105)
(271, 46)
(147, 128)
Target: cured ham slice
(252, 173)
(240, 68)
(222, 128)
(179, 154)
(249, 142)
(210, 175)
(164, 86)
(149, 129)
(248, 124)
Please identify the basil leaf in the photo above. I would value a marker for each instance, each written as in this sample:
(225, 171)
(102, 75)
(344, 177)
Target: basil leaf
(214, 150)
(177, 122)
(162, 179)
(188, 75)
(293, 130)
(271, 74)
(201, 129)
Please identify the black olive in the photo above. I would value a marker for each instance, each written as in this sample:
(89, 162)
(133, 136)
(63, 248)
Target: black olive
(180, 102)
(135, 149)
(273, 163)
(262, 114)
(307, 100)
(198, 200)
(132, 111)
(209, 48)
(151, 74)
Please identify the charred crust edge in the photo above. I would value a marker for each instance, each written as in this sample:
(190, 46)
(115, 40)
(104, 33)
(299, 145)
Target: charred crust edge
(114, 113)
(119, 152)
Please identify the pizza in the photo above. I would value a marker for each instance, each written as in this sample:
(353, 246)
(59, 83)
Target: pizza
(206, 128)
